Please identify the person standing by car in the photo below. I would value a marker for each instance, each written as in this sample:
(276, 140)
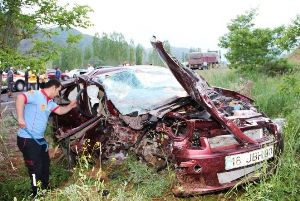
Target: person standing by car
(57, 73)
(205, 65)
(37, 74)
(32, 80)
(26, 77)
(10, 81)
(43, 79)
(33, 109)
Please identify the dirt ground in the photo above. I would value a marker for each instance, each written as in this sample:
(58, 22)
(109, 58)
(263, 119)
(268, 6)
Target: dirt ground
(11, 160)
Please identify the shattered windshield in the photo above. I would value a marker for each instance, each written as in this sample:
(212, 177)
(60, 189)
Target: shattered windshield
(141, 89)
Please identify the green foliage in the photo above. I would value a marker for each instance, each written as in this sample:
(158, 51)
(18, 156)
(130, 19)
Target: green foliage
(87, 55)
(71, 57)
(277, 67)
(154, 58)
(16, 24)
(58, 175)
(146, 180)
(222, 77)
(15, 187)
(291, 86)
(139, 52)
(131, 52)
(73, 39)
(137, 178)
(12, 58)
(19, 186)
(113, 49)
(258, 49)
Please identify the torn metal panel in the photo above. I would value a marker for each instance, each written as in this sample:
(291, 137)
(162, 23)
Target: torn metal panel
(199, 90)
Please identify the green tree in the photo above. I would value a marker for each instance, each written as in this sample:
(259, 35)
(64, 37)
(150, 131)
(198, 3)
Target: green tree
(96, 49)
(132, 58)
(154, 58)
(251, 49)
(114, 50)
(87, 55)
(139, 52)
(71, 55)
(17, 23)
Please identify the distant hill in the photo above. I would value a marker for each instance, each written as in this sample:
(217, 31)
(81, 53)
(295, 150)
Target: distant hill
(63, 35)
(60, 38)
(87, 40)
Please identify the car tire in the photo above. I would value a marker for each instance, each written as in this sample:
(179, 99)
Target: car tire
(20, 86)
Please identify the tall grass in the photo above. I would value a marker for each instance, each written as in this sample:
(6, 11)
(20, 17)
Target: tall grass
(130, 181)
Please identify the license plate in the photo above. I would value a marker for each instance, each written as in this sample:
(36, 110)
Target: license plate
(252, 157)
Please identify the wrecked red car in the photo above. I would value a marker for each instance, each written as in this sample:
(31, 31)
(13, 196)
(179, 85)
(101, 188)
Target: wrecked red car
(213, 137)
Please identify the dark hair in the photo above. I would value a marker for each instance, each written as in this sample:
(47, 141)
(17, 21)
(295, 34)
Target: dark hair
(52, 82)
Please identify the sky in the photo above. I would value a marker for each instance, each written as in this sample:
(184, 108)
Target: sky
(184, 23)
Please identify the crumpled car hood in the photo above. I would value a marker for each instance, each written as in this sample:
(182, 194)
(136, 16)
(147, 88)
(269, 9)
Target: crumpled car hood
(200, 91)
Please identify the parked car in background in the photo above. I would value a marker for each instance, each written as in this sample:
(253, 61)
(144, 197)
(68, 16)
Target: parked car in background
(213, 138)
(76, 72)
(51, 74)
(19, 80)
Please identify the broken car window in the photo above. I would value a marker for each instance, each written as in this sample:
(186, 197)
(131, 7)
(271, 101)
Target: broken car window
(141, 89)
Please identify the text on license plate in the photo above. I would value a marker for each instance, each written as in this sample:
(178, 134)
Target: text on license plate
(252, 157)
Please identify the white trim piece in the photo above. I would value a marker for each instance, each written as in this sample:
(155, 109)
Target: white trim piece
(33, 180)
(227, 177)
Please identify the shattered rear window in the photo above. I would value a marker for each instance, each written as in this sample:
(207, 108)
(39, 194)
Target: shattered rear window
(141, 89)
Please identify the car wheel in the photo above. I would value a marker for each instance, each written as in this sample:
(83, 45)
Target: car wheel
(20, 85)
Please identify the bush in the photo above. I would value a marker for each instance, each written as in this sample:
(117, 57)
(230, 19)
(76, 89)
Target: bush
(277, 67)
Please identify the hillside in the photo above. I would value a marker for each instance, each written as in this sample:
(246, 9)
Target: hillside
(60, 38)
(86, 40)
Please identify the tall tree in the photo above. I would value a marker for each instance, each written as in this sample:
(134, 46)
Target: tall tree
(87, 55)
(131, 52)
(252, 49)
(139, 52)
(17, 23)
(96, 49)
(154, 58)
(71, 54)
